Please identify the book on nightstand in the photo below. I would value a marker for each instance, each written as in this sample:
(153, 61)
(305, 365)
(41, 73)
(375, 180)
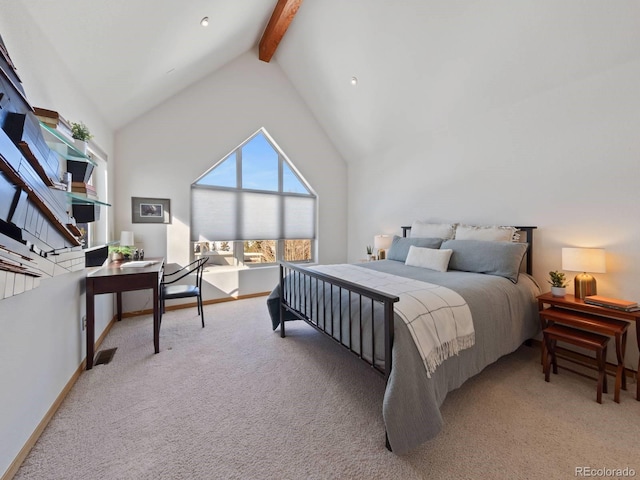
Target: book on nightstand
(615, 303)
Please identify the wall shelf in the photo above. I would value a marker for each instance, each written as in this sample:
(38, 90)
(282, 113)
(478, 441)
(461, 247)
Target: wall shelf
(85, 209)
(79, 199)
(63, 145)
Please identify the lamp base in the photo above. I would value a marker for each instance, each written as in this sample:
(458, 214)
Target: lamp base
(382, 254)
(584, 285)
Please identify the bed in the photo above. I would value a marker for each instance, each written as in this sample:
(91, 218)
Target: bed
(365, 308)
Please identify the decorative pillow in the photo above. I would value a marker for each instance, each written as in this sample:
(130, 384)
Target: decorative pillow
(491, 233)
(429, 258)
(433, 230)
(400, 246)
(480, 256)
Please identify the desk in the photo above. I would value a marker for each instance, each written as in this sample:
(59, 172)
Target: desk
(572, 303)
(113, 278)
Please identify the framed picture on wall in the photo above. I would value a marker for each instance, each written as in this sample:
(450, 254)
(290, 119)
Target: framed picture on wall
(150, 210)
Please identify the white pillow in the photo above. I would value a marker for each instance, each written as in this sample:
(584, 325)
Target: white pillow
(489, 233)
(429, 258)
(433, 230)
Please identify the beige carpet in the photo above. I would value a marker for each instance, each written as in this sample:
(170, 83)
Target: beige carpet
(235, 401)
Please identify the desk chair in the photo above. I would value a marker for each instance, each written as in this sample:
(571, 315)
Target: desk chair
(170, 291)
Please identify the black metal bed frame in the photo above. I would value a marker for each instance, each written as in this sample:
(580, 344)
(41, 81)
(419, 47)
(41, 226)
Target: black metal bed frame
(293, 300)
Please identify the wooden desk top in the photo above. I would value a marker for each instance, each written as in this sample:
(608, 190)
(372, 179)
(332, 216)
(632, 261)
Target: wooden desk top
(118, 268)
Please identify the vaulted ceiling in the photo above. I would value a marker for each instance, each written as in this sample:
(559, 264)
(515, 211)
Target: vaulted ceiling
(421, 65)
(130, 55)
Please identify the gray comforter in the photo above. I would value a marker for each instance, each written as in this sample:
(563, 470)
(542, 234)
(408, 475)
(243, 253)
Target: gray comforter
(504, 315)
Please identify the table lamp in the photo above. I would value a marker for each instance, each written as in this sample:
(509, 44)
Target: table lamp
(126, 239)
(584, 260)
(382, 243)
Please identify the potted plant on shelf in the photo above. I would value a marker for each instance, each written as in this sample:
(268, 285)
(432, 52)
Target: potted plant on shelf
(81, 135)
(558, 283)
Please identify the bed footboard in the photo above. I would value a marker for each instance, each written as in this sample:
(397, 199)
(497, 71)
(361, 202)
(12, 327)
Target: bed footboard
(352, 315)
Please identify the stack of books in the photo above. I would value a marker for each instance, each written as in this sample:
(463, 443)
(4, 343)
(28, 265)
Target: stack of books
(615, 303)
(48, 117)
(85, 189)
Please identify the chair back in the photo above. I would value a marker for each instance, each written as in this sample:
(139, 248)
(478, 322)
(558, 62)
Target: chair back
(172, 292)
(199, 270)
(194, 268)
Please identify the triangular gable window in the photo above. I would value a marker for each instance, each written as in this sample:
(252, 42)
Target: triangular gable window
(291, 182)
(223, 175)
(252, 194)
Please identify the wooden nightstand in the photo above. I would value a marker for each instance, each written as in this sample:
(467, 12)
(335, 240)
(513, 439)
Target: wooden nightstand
(574, 312)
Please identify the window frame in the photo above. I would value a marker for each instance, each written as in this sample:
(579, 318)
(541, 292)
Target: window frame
(282, 159)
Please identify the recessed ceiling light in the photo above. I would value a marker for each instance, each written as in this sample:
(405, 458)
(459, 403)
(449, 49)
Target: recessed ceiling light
(354, 81)
(205, 22)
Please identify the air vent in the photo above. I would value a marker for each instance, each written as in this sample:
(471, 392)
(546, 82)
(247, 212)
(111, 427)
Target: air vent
(104, 356)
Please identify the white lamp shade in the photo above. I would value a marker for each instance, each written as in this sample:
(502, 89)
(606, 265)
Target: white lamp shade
(382, 242)
(588, 260)
(126, 239)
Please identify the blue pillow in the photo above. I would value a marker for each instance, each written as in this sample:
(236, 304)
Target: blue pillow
(482, 256)
(400, 246)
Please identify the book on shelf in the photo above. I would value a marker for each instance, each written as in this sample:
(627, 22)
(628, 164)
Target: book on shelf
(81, 187)
(615, 303)
(48, 117)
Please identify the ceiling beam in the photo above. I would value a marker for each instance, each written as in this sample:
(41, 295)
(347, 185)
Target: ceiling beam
(276, 28)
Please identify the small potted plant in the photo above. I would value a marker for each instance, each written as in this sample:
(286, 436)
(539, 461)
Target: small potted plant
(558, 283)
(119, 253)
(81, 135)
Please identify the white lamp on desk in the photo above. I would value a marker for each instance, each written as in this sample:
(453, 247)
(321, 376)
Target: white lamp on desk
(126, 239)
(584, 260)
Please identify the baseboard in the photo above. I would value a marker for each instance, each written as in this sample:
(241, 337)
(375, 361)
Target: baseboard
(24, 451)
(149, 311)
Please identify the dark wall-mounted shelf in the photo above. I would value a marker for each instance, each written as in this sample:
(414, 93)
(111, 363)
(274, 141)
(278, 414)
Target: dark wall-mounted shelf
(85, 209)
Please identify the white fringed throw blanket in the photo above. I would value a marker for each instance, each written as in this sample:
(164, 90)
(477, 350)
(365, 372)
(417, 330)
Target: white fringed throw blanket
(438, 318)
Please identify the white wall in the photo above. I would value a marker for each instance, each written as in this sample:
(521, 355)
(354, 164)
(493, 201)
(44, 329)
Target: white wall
(164, 151)
(42, 343)
(564, 160)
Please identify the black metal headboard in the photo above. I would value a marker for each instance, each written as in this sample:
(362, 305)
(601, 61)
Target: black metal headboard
(528, 240)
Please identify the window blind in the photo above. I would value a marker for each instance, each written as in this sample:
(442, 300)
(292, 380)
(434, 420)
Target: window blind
(228, 215)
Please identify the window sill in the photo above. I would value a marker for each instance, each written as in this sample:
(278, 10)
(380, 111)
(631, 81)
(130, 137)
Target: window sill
(232, 268)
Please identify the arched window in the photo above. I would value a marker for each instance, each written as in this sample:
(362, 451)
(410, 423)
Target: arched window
(253, 207)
